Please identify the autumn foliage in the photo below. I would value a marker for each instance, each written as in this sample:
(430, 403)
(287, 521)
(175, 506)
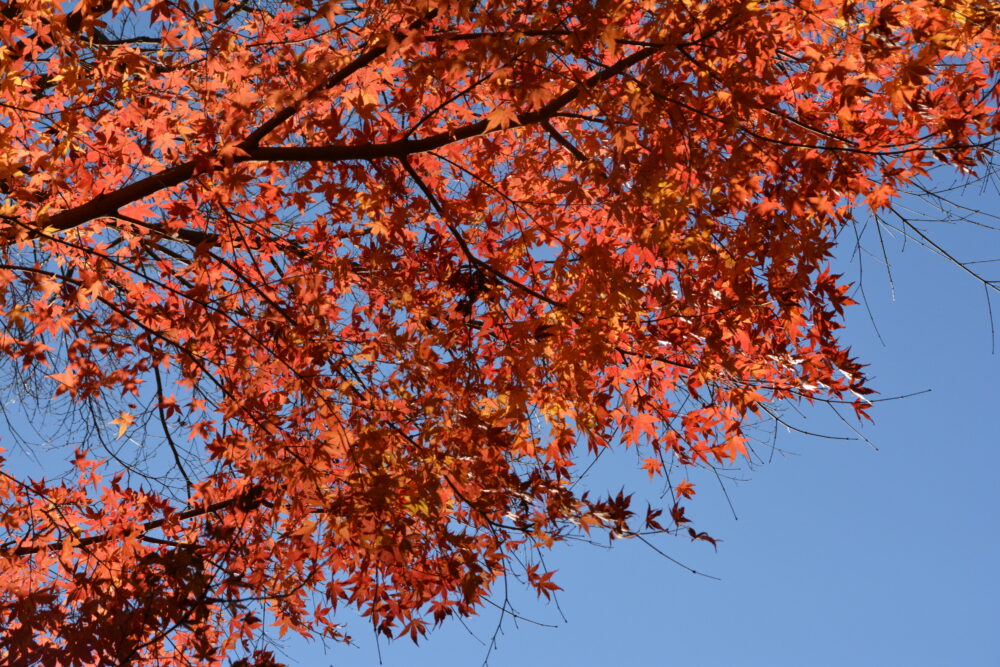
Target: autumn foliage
(335, 301)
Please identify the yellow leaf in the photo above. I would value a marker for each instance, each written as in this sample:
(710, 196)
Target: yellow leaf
(500, 118)
(123, 421)
(16, 317)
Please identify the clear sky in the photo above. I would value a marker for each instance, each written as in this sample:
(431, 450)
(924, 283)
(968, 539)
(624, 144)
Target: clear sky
(845, 553)
(842, 555)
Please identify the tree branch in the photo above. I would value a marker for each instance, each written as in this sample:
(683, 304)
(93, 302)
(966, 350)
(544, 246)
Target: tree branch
(249, 500)
(108, 205)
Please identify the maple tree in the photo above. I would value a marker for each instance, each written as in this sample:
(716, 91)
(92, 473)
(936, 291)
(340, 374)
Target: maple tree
(337, 299)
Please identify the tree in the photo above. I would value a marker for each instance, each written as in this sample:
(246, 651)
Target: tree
(335, 301)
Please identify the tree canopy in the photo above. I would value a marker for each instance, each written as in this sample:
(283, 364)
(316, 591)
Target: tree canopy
(331, 304)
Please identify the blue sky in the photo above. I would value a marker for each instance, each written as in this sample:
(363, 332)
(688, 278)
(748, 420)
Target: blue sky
(841, 554)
